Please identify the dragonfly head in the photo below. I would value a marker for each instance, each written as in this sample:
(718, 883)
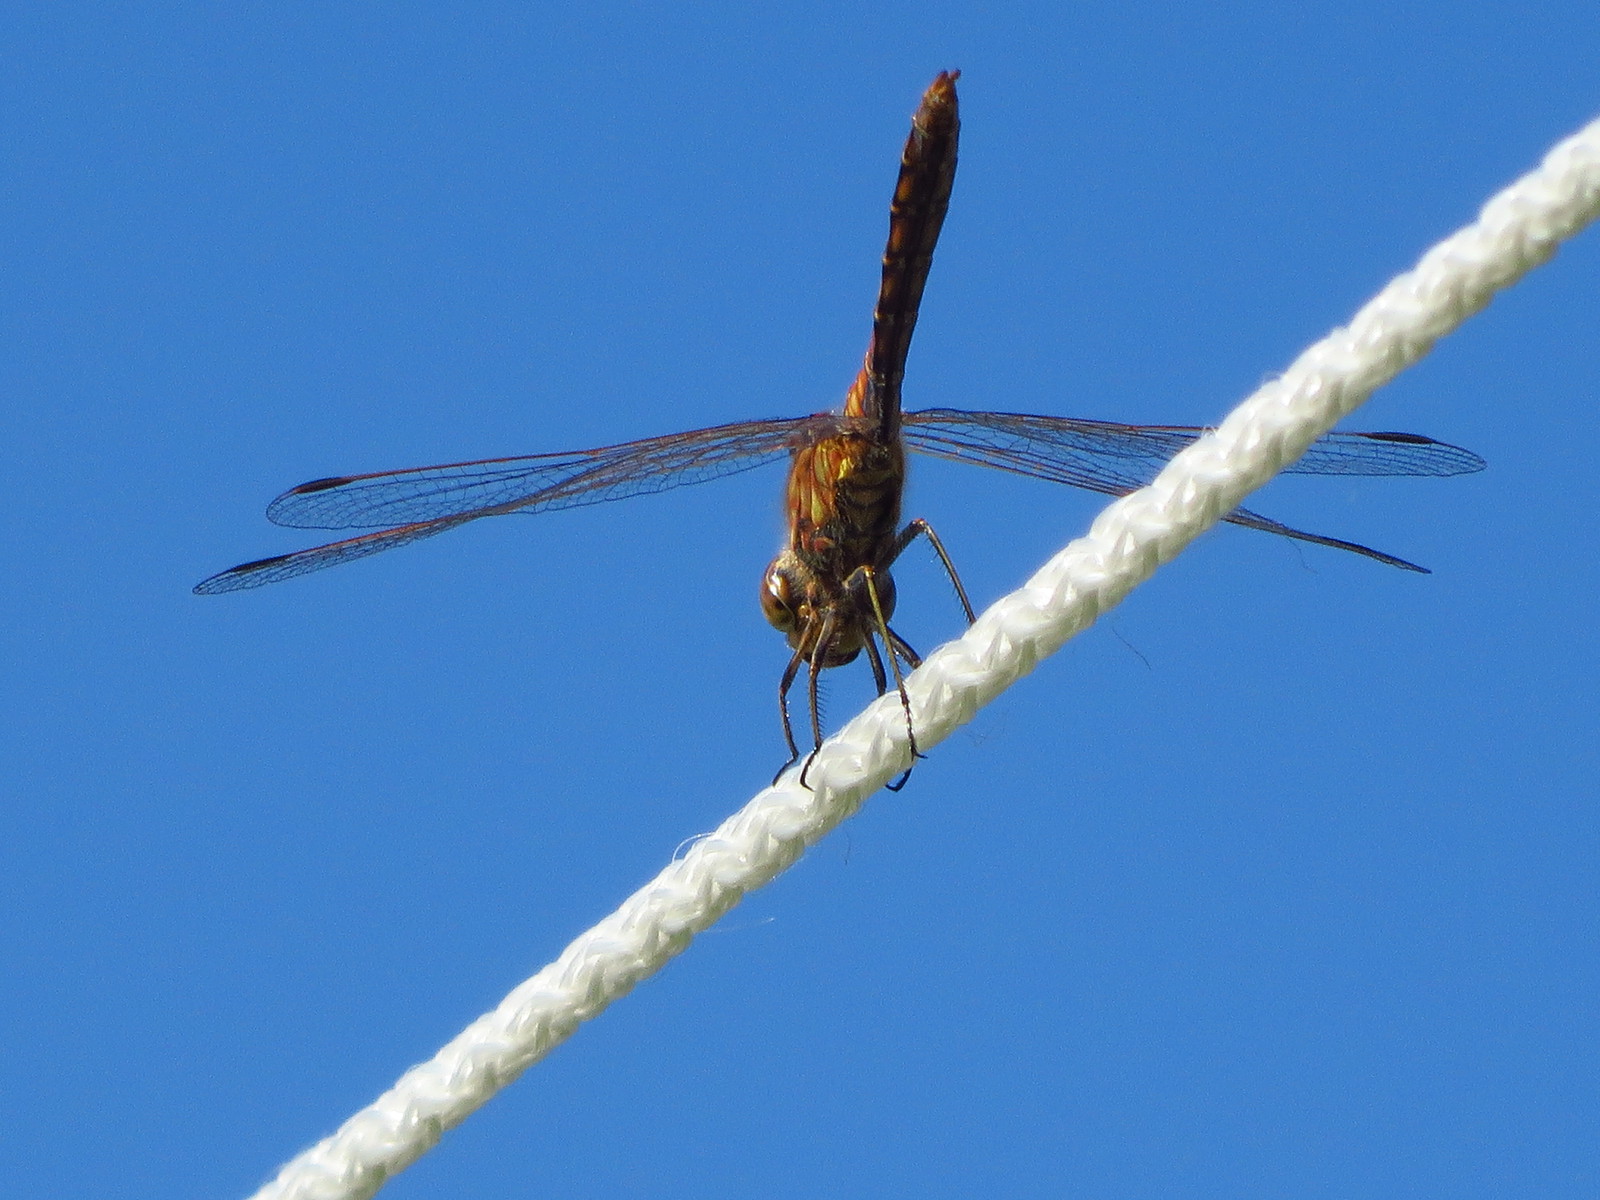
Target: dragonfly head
(798, 604)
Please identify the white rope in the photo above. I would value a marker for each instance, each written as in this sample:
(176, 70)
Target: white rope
(1517, 230)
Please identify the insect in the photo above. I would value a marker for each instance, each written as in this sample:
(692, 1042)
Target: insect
(829, 590)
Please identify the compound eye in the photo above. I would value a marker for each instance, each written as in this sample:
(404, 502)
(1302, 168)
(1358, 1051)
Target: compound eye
(777, 601)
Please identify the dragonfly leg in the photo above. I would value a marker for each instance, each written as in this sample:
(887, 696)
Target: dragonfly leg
(819, 653)
(784, 685)
(920, 528)
(893, 643)
(879, 679)
(882, 682)
(905, 650)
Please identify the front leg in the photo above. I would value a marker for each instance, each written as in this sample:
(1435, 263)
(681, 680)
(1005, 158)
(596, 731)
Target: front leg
(784, 685)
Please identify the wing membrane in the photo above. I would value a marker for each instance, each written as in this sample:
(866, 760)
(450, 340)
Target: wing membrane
(1103, 456)
(425, 501)
(1100, 456)
(302, 562)
(539, 482)
(1113, 459)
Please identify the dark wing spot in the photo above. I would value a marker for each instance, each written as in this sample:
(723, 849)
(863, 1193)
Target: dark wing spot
(224, 581)
(1411, 439)
(319, 485)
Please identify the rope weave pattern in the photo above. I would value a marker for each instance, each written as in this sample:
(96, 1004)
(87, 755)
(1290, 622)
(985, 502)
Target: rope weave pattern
(1519, 229)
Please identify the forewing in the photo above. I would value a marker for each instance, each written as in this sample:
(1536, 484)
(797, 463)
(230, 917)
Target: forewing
(539, 482)
(1099, 456)
(1103, 456)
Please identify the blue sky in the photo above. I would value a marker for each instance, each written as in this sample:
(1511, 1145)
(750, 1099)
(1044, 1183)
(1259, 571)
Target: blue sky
(1279, 882)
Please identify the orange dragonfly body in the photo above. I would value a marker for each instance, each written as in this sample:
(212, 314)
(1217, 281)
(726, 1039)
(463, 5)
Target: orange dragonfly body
(829, 591)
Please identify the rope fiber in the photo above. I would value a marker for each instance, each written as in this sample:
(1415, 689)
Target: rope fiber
(1517, 230)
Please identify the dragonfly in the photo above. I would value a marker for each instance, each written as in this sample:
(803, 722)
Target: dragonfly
(829, 591)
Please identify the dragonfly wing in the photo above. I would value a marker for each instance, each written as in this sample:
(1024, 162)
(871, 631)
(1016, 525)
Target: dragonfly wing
(1114, 459)
(1108, 457)
(1253, 520)
(538, 482)
(301, 562)
(1348, 453)
(1097, 456)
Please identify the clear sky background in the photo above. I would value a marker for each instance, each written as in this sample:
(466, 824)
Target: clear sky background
(1280, 882)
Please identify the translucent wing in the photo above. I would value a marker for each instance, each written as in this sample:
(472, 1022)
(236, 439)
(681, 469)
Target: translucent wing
(301, 562)
(425, 501)
(541, 482)
(1107, 457)
(1114, 459)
